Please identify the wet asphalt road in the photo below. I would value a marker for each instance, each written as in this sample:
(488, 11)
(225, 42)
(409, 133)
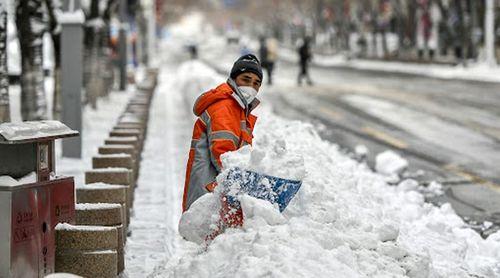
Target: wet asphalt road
(449, 130)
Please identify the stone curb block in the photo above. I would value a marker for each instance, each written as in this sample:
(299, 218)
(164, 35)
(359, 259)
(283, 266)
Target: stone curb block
(118, 176)
(88, 264)
(98, 214)
(122, 149)
(86, 238)
(113, 161)
(104, 193)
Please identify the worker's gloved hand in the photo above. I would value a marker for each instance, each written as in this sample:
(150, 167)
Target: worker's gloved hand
(211, 186)
(231, 214)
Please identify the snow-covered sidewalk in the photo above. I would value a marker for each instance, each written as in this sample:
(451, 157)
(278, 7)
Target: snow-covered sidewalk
(157, 204)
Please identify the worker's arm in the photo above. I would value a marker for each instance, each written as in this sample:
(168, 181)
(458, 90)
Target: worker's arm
(223, 131)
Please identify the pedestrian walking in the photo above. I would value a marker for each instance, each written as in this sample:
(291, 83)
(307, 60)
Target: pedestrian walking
(305, 57)
(224, 124)
(268, 53)
(263, 55)
(428, 19)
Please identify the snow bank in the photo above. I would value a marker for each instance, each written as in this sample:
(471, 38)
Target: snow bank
(345, 221)
(201, 219)
(267, 156)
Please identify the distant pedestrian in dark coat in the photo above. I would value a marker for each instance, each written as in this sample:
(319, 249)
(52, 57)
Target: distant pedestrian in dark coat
(305, 57)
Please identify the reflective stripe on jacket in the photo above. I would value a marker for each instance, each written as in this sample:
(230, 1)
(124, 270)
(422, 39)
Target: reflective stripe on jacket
(224, 124)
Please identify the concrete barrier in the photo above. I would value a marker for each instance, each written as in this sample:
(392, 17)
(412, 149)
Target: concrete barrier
(127, 133)
(132, 140)
(119, 176)
(86, 238)
(89, 251)
(104, 193)
(115, 161)
(123, 149)
(88, 263)
(104, 214)
(128, 126)
(96, 214)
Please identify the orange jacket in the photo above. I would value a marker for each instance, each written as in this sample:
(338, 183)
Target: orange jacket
(224, 124)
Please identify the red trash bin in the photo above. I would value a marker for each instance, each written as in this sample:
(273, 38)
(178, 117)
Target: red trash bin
(30, 210)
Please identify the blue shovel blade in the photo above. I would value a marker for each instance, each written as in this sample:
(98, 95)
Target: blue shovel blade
(273, 189)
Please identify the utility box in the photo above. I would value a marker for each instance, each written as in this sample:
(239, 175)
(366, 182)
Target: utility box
(32, 198)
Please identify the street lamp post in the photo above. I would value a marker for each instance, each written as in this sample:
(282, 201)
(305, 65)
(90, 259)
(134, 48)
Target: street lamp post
(151, 19)
(489, 33)
(71, 21)
(122, 44)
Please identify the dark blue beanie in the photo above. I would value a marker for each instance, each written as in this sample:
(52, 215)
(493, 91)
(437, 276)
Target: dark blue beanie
(246, 63)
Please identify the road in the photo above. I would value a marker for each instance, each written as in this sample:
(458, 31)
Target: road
(448, 130)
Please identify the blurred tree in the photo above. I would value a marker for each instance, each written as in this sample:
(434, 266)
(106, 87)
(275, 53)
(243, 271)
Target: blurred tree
(54, 7)
(107, 45)
(4, 76)
(31, 26)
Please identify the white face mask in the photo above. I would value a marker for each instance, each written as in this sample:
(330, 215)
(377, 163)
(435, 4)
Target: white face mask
(248, 92)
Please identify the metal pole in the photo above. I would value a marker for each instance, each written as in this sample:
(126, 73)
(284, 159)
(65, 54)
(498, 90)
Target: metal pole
(489, 33)
(122, 44)
(72, 74)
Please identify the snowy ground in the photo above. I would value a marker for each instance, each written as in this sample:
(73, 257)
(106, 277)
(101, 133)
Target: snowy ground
(345, 222)
(96, 127)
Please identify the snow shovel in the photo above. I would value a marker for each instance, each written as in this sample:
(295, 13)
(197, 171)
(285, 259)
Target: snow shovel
(272, 189)
(239, 181)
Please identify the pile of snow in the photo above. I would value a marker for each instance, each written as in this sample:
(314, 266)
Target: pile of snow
(345, 221)
(390, 163)
(266, 157)
(35, 129)
(201, 219)
(8, 181)
(361, 152)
